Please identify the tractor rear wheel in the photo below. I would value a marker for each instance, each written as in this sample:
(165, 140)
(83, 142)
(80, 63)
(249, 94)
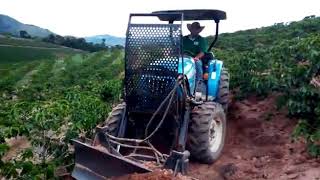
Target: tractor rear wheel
(112, 123)
(207, 132)
(224, 95)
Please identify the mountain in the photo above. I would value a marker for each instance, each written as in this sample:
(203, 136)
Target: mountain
(10, 25)
(110, 40)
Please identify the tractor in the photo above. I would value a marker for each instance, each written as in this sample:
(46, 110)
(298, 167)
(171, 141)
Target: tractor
(162, 121)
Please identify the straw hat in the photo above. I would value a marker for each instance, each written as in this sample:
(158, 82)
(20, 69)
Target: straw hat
(195, 27)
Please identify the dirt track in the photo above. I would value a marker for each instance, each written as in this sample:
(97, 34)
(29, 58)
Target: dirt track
(258, 146)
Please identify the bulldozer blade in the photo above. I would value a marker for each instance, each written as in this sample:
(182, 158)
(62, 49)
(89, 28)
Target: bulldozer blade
(96, 163)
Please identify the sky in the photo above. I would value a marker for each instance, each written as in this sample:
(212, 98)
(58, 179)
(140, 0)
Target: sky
(92, 17)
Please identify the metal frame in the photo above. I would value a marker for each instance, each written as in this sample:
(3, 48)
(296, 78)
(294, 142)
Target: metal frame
(179, 157)
(196, 14)
(215, 37)
(193, 14)
(139, 61)
(155, 15)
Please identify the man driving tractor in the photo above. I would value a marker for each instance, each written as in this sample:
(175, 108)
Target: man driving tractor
(196, 46)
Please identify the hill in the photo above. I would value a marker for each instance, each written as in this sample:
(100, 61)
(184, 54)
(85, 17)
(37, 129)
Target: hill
(17, 49)
(109, 40)
(247, 40)
(12, 26)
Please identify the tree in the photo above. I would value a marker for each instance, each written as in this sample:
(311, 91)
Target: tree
(24, 34)
(103, 43)
(73, 42)
(50, 38)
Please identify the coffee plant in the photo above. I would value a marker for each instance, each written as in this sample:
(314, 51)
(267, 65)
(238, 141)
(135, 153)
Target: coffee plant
(286, 66)
(50, 103)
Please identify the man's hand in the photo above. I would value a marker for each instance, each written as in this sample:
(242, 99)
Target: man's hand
(198, 56)
(196, 59)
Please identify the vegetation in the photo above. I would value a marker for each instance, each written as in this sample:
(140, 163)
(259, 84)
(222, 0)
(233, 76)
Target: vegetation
(13, 41)
(265, 37)
(24, 34)
(14, 49)
(50, 102)
(77, 43)
(281, 58)
(14, 54)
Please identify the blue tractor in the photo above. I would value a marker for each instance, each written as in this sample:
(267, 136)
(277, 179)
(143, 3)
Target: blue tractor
(163, 119)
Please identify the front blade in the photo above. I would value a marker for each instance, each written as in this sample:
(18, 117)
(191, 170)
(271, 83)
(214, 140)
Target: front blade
(93, 162)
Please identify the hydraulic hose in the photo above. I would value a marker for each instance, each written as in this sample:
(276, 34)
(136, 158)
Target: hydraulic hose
(163, 117)
(171, 96)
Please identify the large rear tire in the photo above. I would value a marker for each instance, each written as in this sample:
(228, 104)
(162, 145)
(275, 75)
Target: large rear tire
(224, 94)
(207, 132)
(112, 123)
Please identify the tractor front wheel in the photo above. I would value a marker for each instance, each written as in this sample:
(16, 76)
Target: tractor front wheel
(207, 132)
(112, 123)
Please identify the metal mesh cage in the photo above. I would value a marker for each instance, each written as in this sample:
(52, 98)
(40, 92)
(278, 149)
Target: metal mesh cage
(152, 57)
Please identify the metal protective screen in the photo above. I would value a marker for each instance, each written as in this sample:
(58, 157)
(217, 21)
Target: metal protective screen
(152, 58)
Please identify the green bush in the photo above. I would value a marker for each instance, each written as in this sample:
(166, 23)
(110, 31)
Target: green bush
(111, 90)
(50, 103)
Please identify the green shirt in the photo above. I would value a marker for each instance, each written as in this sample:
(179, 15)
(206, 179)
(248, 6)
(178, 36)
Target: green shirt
(194, 46)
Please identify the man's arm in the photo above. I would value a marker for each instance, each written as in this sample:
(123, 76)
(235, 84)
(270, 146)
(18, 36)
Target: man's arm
(199, 56)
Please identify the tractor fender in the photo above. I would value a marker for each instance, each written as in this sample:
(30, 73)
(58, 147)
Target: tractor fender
(188, 68)
(214, 69)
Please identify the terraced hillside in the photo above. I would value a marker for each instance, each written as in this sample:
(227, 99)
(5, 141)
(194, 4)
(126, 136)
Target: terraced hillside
(17, 49)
